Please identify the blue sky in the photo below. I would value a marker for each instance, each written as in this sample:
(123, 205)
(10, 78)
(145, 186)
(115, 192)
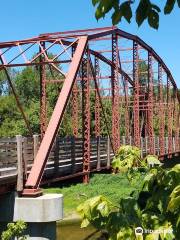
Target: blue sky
(23, 19)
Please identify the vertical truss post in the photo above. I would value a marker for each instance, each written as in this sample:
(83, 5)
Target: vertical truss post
(170, 117)
(43, 103)
(86, 116)
(176, 122)
(75, 107)
(150, 106)
(127, 122)
(97, 102)
(115, 94)
(136, 95)
(161, 112)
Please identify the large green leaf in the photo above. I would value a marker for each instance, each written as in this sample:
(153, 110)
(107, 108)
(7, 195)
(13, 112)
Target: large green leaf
(85, 223)
(103, 208)
(178, 1)
(116, 17)
(153, 19)
(152, 160)
(142, 11)
(152, 236)
(126, 11)
(174, 203)
(94, 2)
(169, 6)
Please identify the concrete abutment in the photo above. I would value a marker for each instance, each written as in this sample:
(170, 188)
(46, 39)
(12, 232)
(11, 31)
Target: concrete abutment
(39, 213)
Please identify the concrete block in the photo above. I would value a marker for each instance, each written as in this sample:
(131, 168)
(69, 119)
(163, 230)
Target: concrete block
(46, 208)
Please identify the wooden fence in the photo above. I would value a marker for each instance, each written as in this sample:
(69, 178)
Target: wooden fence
(66, 156)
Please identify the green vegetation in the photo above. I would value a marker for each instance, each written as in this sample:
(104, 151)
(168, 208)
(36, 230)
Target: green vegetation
(111, 186)
(15, 230)
(155, 206)
(128, 157)
(27, 84)
(142, 9)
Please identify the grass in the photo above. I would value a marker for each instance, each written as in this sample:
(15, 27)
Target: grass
(111, 186)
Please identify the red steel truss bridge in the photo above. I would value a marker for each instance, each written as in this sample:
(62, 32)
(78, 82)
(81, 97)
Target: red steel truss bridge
(112, 82)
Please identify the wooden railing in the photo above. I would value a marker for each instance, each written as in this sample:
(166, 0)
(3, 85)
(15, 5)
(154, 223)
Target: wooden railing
(66, 157)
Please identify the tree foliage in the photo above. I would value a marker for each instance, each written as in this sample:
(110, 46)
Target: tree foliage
(141, 9)
(27, 85)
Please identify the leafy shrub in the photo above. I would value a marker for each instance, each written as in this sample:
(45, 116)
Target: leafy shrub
(155, 206)
(130, 156)
(15, 230)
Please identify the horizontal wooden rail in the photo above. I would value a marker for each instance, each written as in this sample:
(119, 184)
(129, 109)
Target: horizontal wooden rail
(66, 157)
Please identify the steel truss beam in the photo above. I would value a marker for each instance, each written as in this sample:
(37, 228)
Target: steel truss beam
(127, 120)
(161, 112)
(115, 94)
(150, 106)
(170, 117)
(34, 178)
(75, 106)
(136, 95)
(86, 116)
(43, 97)
(97, 103)
(176, 122)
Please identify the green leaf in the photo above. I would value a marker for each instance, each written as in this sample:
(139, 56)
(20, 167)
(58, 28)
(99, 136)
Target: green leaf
(176, 168)
(85, 223)
(94, 2)
(142, 11)
(152, 236)
(104, 209)
(98, 14)
(152, 160)
(153, 19)
(178, 2)
(105, 5)
(169, 6)
(174, 203)
(116, 17)
(126, 11)
(155, 7)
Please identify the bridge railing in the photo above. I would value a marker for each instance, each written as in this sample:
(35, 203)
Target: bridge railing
(66, 157)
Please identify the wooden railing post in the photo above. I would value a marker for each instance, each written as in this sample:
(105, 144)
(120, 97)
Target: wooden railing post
(158, 146)
(146, 145)
(98, 153)
(123, 140)
(20, 172)
(166, 144)
(36, 144)
(73, 157)
(56, 156)
(108, 153)
(130, 140)
(142, 147)
(174, 145)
